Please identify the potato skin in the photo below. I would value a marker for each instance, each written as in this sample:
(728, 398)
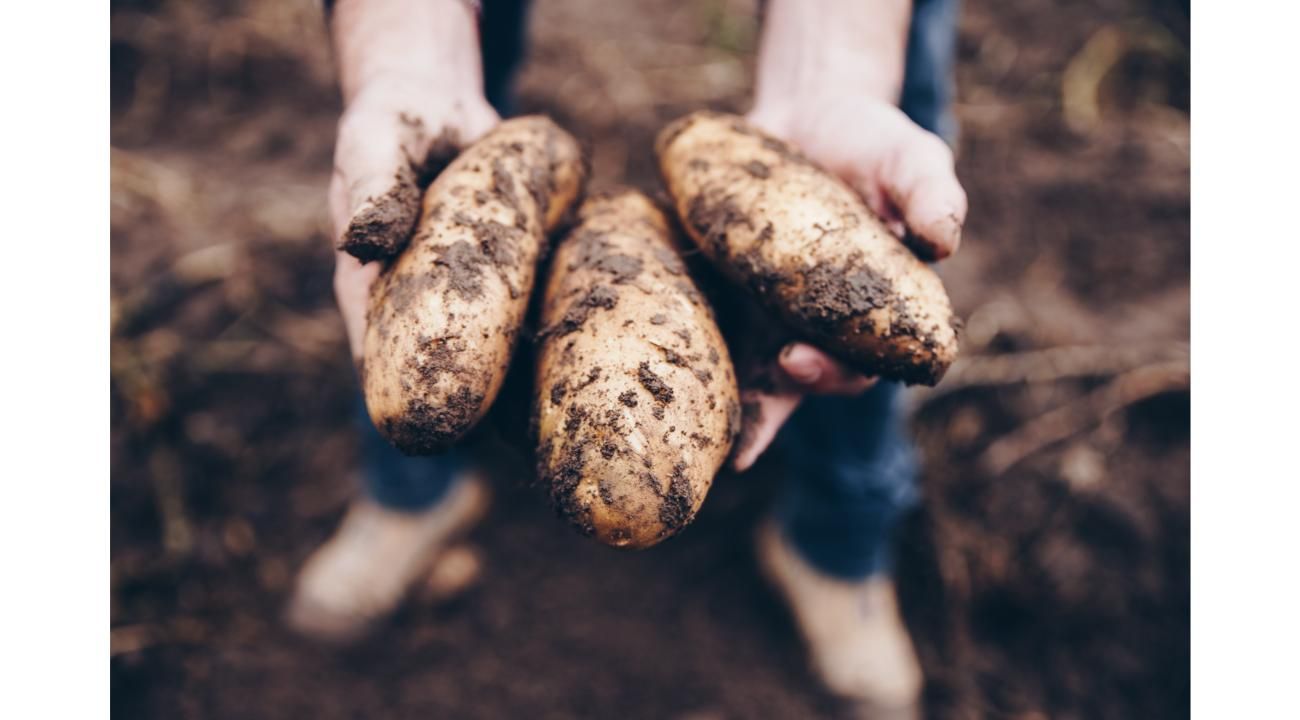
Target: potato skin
(808, 248)
(444, 316)
(637, 405)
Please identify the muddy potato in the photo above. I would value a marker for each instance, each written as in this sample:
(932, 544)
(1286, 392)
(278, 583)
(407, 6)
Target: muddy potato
(637, 404)
(808, 247)
(444, 317)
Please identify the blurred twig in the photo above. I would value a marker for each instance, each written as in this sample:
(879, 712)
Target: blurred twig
(1083, 76)
(192, 270)
(166, 472)
(1050, 365)
(131, 638)
(1126, 389)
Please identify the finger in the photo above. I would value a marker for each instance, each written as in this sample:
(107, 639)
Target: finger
(352, 282)
(921, 180)
(340, 210)
(765, 414)
(380, 189)
(813, 371)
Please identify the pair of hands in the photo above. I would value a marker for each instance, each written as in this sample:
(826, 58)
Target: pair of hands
(904, 173)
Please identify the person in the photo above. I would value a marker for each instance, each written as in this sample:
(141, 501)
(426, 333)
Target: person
(863, 87)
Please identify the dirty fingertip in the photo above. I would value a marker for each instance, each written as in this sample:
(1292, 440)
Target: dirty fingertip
(380, 226)
(936, 240)
(945, 233)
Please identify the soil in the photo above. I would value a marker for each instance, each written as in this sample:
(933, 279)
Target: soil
(654, 384)
(600, 297)
(1058, 588)
(381, 227)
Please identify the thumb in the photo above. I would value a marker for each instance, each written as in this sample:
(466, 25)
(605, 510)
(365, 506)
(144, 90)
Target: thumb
(921, 181)
(352, 282)
(766, 413)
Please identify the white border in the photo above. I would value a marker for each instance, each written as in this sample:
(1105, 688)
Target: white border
(1245, 351)
(54, 509)
(1246, 281)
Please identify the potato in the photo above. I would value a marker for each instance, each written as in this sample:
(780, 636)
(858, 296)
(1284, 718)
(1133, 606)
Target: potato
(808, 247)
(637, 404)
(444, 316)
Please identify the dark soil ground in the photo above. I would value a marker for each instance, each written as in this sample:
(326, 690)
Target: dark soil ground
(1046, 574)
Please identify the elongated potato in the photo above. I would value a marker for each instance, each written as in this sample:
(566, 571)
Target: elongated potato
(808, 247)
(444, 317)
(637, 405)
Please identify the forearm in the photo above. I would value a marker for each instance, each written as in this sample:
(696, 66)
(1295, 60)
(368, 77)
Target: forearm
(813, 47)
(424, 45)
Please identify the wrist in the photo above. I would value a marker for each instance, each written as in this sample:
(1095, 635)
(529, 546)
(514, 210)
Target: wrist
(420, 46)
(834, 48)
(398, 87)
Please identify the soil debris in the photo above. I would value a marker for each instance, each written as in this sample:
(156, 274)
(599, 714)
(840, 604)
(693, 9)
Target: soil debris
(654, 384)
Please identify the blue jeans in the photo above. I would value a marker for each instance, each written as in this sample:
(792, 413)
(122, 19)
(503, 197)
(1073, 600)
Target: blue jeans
(854, 468)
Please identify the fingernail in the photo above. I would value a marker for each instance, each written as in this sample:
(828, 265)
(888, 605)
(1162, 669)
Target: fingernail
(801, 364)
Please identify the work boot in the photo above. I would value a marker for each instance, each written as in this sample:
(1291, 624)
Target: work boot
(855, 637)
(365, 570)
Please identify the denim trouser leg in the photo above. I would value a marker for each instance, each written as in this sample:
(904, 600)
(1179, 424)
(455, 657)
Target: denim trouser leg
(928, 80)
(852, 467)
(851, 472)
(399, 482)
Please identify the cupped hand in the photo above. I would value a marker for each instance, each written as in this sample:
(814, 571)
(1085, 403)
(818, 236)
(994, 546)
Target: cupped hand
(906, 175)
(392, 139)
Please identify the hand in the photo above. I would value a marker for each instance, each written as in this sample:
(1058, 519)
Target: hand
(390, 140)
(412, 84)
(906, 175)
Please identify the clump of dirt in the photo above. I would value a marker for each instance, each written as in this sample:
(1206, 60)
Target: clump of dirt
(426, 429)
(594, 251)
(382, 225)
(654, 384)
(710, 213)
(499, 244)
(592, 376)
(464, 265)
(675, 511)
(600, 297)
(624, 268)
(758, 169)
(441, 356)
(672, 357)
(564, 482)
(830, 295)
